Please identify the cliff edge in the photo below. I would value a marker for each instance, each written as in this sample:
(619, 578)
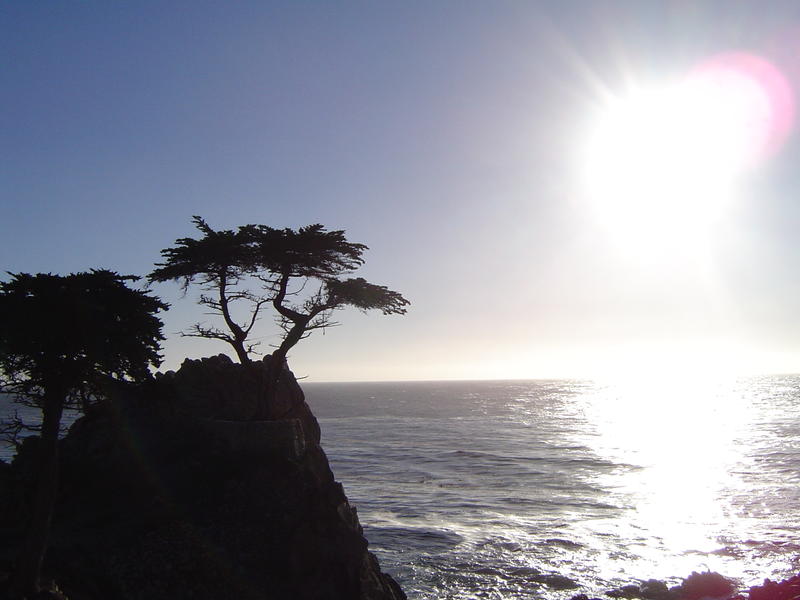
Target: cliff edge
(170, 491)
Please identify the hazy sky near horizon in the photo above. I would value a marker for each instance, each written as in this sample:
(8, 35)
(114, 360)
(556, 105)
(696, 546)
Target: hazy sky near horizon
(447, 136)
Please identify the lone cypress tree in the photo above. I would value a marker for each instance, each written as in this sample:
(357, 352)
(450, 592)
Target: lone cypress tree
(298, 272)
(61, 337)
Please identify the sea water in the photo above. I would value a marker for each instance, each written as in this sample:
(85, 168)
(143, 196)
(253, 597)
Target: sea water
(525, 489)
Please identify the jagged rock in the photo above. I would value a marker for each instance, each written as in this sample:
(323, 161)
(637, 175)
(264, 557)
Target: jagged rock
(217, 388)
(788, 589)
(165, 494)
(705, 585)
(694, 587)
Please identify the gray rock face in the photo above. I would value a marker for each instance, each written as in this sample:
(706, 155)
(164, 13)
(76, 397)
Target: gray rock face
(167, 494)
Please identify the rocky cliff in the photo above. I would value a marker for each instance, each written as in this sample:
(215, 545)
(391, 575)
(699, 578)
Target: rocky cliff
(169, 491)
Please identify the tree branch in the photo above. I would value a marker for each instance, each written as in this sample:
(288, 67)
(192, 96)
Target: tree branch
(213, 333)
(254, 316)
(277, 301)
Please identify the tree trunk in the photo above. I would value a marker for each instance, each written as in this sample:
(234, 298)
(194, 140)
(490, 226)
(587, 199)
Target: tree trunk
(241, 352)
(275, 369)
(239, 336)
(25, 581)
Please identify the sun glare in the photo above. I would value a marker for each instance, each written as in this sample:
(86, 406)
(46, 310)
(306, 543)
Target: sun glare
(663, 161)
(681, 433)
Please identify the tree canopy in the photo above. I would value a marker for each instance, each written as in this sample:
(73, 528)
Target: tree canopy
(70, 331)
(61, 338)
(298, 272)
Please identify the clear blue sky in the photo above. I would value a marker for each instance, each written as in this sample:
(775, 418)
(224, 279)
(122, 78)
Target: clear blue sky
(441, 134)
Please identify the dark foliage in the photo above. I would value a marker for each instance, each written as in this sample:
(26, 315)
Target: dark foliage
(61, 339)
(72, 331)
(365, 296)
(311, 251)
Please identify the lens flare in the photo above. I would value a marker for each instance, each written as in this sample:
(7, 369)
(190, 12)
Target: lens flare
(663, 161)
(752, 96)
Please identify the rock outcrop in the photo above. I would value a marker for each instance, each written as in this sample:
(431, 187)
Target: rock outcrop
(169, 492)
(706, 585)
(788, 589)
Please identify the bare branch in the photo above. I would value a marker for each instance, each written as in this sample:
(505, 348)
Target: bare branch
(271, 281)
(12, 428)
(254, 315)
(251, 348)
(198, 330)
(209, 301)
(325, 325)
(300, 289)
(243, 295)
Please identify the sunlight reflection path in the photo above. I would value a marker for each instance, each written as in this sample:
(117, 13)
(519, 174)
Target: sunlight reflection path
(679, 437)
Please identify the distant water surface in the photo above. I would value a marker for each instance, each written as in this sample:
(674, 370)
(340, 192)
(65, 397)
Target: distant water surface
(513, 489)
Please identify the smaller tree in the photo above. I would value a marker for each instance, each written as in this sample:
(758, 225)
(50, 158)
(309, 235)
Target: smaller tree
(61, 337)
(298, 273)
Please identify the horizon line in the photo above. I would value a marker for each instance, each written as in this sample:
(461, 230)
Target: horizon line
(591, 378)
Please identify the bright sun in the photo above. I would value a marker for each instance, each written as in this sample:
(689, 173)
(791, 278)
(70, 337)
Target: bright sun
(662, 162)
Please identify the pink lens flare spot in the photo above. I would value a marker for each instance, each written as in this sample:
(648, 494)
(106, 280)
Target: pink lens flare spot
(752, 98)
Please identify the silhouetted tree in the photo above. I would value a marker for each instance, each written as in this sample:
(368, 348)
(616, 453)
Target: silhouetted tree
(298, 272)
(61, 337)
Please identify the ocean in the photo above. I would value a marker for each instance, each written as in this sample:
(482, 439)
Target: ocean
(527, 489)
(522, 489)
